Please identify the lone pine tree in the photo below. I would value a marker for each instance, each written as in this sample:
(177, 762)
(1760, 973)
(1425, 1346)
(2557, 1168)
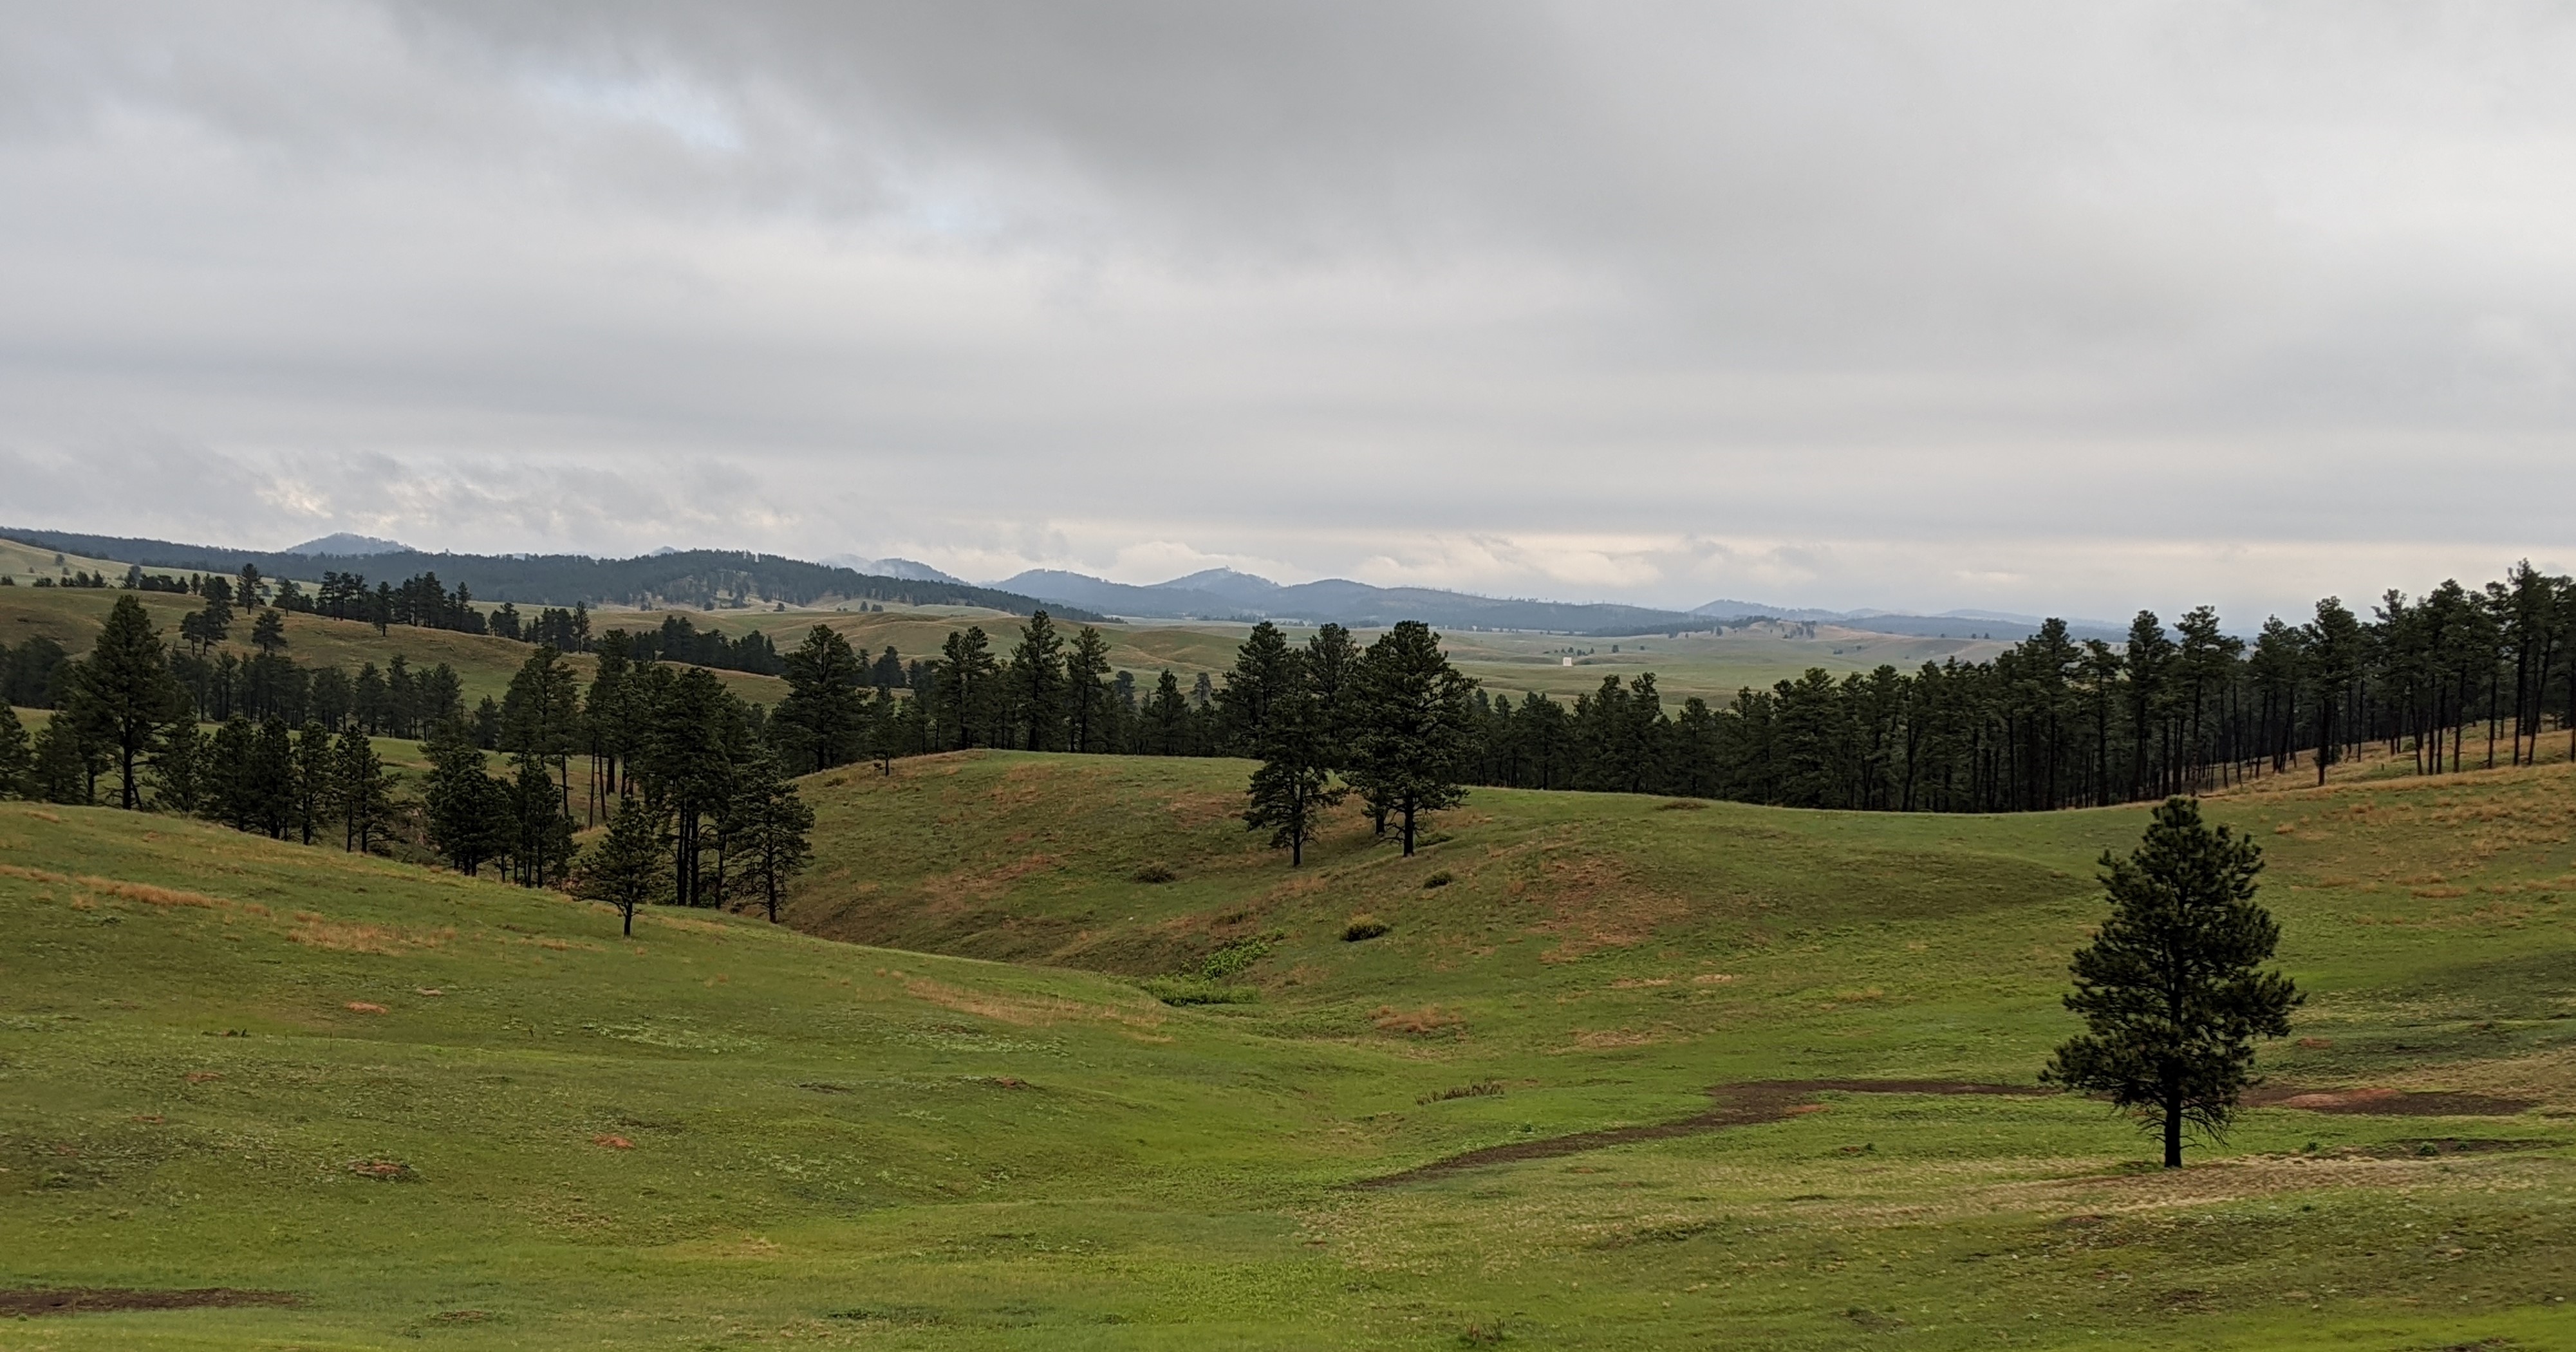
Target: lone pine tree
(2170, 990)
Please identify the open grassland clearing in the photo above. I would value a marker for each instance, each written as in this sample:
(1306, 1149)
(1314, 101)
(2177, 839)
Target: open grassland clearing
(435, 1110)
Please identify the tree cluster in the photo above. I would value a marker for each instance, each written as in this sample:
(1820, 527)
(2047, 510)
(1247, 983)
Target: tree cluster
(680, 641)
(670, 756)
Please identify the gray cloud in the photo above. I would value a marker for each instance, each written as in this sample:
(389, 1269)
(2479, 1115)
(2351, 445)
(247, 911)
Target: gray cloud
(2026, 306)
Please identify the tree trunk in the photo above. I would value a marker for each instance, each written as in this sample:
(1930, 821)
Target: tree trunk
(2173, 1128)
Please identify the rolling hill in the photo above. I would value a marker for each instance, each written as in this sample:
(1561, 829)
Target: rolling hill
(1637, 1075)
(378, 1104)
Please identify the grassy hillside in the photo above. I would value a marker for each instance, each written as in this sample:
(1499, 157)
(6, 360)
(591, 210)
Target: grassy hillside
(448, 1112)
(24, 563)
(74, 617)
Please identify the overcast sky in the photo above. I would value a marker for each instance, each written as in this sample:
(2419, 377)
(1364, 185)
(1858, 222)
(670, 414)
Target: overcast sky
(2046, 307)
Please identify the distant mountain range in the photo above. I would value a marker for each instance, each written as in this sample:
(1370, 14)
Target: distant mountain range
(679, 578)
(689, 577)
(1224, 594)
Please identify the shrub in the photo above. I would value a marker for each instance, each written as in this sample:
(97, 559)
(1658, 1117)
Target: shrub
(1363, 927)
(1681, 805)
(1440, 879)
(1156, 873)
(1234, 957)
(1487, 1089)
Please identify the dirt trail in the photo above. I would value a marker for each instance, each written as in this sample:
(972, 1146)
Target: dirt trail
(1738, 1105)
(1757, 1101)
(99, 1300)
(2384, 1102)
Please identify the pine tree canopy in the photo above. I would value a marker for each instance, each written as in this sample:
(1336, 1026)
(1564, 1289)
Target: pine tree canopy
(2171, 988)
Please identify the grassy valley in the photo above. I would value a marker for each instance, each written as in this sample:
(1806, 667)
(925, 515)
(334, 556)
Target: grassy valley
(1656, 1041)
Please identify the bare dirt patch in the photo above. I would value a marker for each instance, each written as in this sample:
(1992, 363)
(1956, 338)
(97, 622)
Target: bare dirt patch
(1738, 1105)
(101, 1299)
(2378, 1102)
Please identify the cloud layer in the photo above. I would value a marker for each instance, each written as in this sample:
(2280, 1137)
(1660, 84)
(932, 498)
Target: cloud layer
(2018, 306)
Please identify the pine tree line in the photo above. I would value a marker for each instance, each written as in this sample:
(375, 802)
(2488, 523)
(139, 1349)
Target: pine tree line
(2452, 680)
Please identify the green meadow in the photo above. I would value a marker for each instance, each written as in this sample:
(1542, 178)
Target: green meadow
(1697, 1070)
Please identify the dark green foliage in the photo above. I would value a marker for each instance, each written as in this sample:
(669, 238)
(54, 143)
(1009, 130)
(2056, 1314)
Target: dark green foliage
(268, 634)
(316, 779)
(2171, 988)
(768, 827)
(680, 641)
(540, 830)
(692, 734)
(1166, 720)
(1291, 729)
(16, 758)
(27, 677)
(964, 691)
(1437, 880)
(823, 721)
(362, 793)
(467, 809)
(625, 869)
(1263, 676)
(123, 695)
(1410, 734)
(1089, 718)
(65, 768)
(1037, 683)
(1363, 927)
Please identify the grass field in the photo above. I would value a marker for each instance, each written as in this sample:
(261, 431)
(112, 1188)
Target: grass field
(451, 1113)
(485, 664)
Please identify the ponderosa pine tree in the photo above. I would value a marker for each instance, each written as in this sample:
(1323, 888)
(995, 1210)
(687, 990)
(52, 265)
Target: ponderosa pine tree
(124, 692)
(1261, 677)
(2171, 988)
(541, 715)
(316, 777)
(465, 805)
(1330, 670)
(625, 869)
(1412, 727)
(1294, 786)
(1036, 676)
(179, 769)
(268, 633)
(2334, 653)
(1167, 718)
(362, 794)
(822, 721)
(1086, 692)
(16, 759)
(768, 830)
(966, 688)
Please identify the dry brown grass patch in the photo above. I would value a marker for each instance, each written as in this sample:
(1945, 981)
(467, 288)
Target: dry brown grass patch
(1428, 1021)
(1026, 1011)
(332, 936)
